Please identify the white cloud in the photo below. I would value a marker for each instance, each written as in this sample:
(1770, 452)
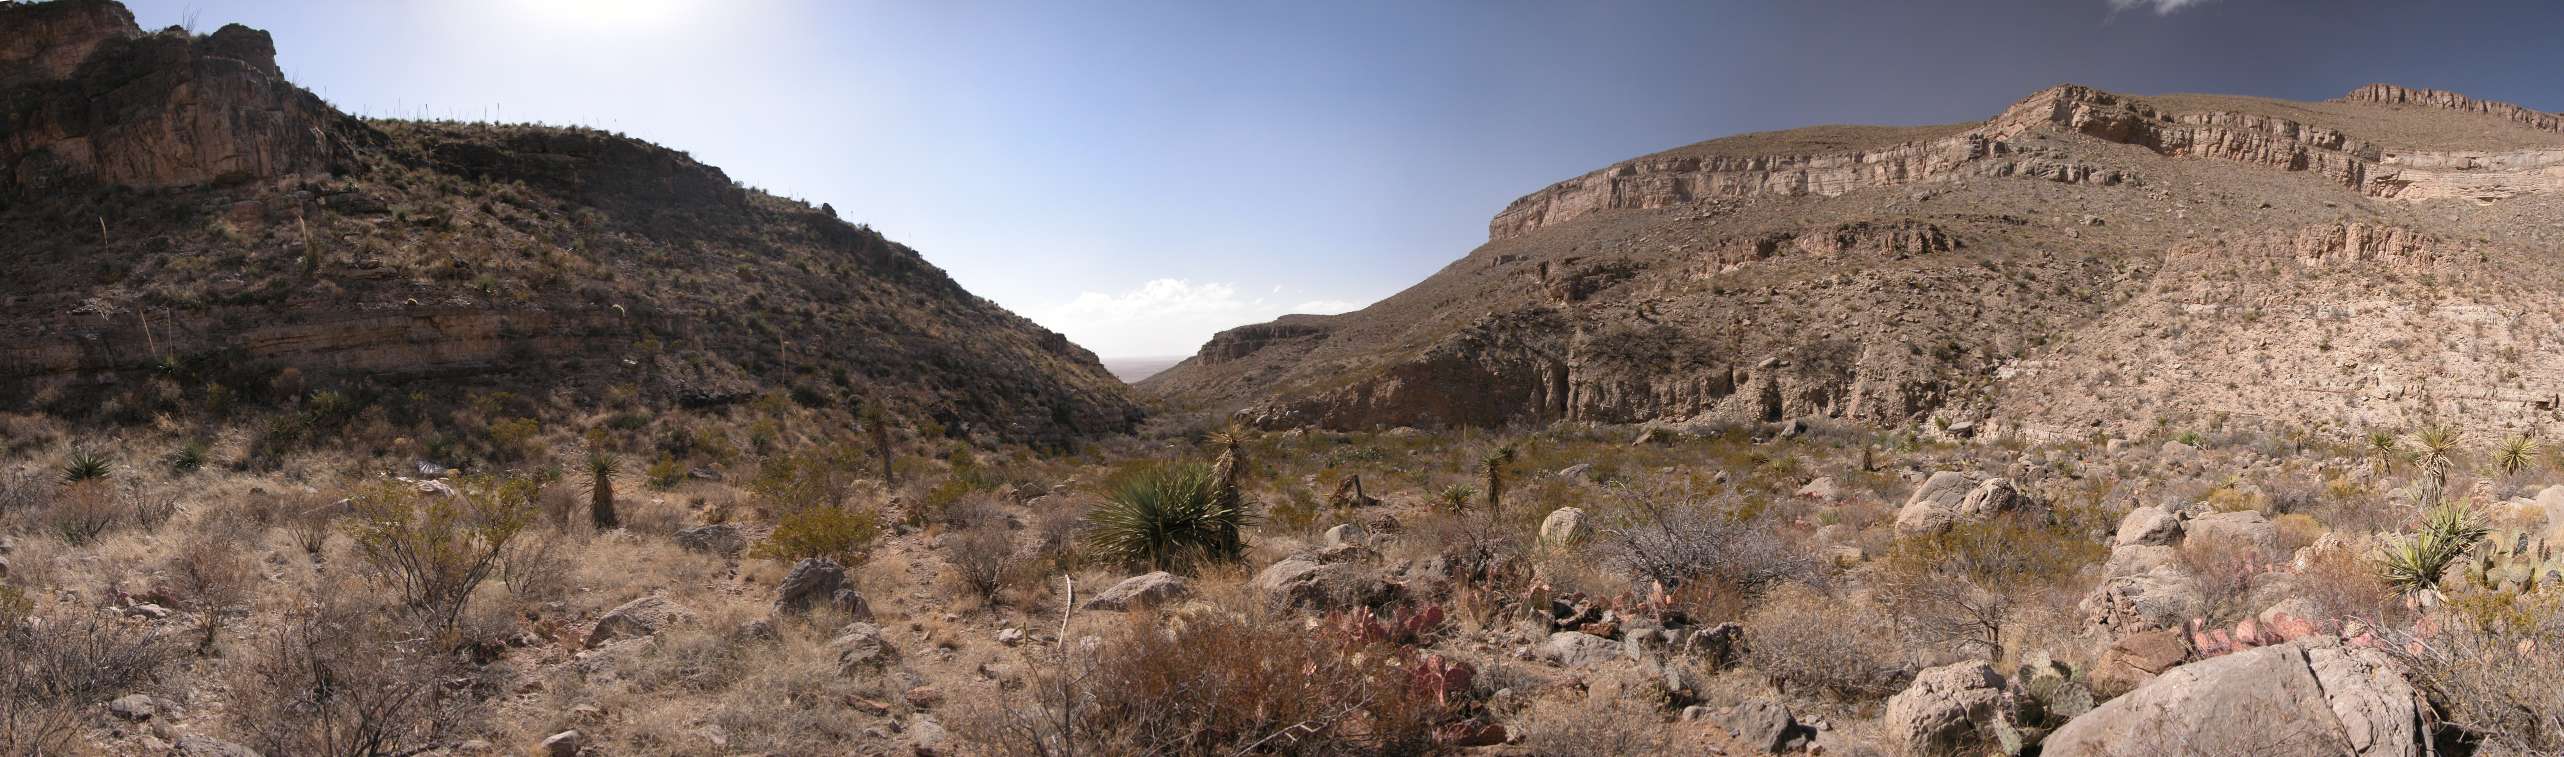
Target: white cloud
(1168, 316)
(2161, 7)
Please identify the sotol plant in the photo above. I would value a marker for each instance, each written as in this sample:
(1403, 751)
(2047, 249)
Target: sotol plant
(1166, 516)
(2514, 455)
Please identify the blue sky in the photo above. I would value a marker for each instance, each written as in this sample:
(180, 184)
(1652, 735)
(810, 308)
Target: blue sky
(1139, 175)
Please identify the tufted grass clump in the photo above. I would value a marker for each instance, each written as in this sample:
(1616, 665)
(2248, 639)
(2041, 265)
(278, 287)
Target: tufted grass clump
(1166, 516)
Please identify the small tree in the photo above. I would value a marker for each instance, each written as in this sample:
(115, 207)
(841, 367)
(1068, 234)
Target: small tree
(435, 548)
(877, 423)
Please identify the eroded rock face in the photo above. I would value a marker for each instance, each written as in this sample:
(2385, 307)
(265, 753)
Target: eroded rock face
(2292, 699)
(95, 100)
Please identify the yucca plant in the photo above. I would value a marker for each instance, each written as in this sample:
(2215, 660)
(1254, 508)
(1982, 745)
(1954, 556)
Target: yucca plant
(2415, 562)
(1494, 467)
(1224, 470)
(2382, 451)
(2516, 454)
(2434, 450)
(1166, 516)
(85, 466)
(602, 466)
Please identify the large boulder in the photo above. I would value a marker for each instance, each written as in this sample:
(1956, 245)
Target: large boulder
(816, 582)
(634, 619)
(1947, 710)
(2160, 597)
(1143, 590)
(1565, 527)
(1306, 582)
(2148, 526)
(2137, 658)
(2308, 698)
(2240, 535)
(1948, 499)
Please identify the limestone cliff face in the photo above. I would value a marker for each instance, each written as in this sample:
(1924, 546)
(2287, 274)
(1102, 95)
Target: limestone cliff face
(1995, 149)
(2185, 260)
(90, 99)
(177, 215)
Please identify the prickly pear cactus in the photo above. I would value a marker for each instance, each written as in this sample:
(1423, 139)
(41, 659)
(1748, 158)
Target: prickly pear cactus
(2515, 561)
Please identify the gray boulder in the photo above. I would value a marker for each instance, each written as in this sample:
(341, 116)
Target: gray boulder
(815, 582)
(1564, 527)
(1577, 649)
(2307, 698)
(1144, 590)
(634, 619)
(2148, 526)
(719, 538)
(1947, 710)
(1306, 582)
(860, 648)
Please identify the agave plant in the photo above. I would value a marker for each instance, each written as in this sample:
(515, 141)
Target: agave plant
(2415, 562)
(1166, 516)
(2516, 454)
(85, 466)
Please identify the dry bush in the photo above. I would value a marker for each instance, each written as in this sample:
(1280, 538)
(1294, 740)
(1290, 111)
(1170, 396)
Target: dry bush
(1960, 590)
(535, 567)
(1613, 716)
(1672, 538)
(2343, 584)
(780, 695)
(2496, 670)
(212, 575)
(1812, 642)
(434, 549)
(1214, 682)
(983, 558)
(52, 669)
(336, 680)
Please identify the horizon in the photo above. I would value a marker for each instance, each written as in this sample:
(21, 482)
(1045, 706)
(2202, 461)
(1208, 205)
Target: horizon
(1170, 171)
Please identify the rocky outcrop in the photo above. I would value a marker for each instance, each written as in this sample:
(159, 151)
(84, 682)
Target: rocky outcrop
(90, 98)
(2308, 698)
(1249, 339)
(2389, 94)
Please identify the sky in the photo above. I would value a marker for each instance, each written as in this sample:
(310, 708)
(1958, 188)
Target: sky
(1140, 175)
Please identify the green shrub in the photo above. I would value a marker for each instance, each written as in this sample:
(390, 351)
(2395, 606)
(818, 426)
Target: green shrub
(665, 474)
(434, 548)
(827, 531)
(1165, 516)
(189, 458)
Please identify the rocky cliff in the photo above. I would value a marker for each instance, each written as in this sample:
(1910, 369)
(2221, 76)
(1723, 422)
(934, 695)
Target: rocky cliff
(2083, 262)
(174, 209)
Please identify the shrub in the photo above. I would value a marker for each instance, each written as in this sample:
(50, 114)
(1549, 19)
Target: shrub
(1809, 642)
(210, 572)
(1674, 539)
(434, 549)
(50, 670)
(332, 682)
(826, 531)
(2496, 674)
(189, 457)
(1221, 683)
(665, 474)
(1165, 516)
(804, 479)
(85, 466)
(983, 557)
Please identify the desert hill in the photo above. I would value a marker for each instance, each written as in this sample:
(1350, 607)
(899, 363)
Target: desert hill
(172, 208)
(2084, 262)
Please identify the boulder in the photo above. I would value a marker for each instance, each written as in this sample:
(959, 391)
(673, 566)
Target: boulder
(1946, 710)
(632, 620)
(2244, 534)
(860, 648)
(1766, 725)
(139, 707)
(2137, 658)
(1822, 488)
(563, 744)
(1307, 582)
(1347, 534)
(1991, 497)
(819, 581)
(1577, 649)
(1934, 506)
(2308, 698)
(1143, 590)
(2160, 597)
(206, 746)
(719, 538)
(2148, 526)
(1576, 472)
(1564, 527)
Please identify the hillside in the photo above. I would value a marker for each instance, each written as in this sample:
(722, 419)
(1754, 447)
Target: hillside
(2084, 262)
(175, 210)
